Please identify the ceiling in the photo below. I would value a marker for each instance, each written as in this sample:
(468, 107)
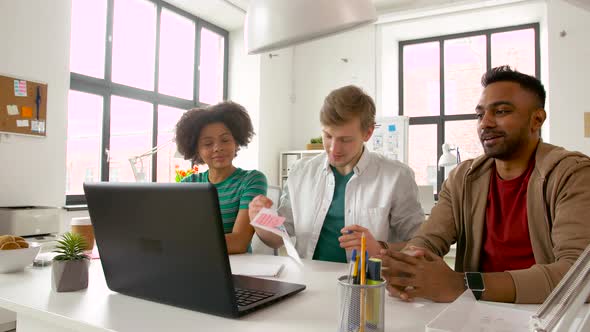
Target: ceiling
(229, 14)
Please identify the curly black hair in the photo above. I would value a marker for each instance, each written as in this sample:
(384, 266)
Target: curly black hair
(188, 129)
(507, 74)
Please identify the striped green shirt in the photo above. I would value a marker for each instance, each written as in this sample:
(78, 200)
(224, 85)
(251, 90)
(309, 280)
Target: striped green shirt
(235, 192)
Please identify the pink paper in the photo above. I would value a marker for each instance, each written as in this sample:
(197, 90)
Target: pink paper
(269, 220)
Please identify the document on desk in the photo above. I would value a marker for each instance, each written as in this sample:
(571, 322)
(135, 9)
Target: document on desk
(467, 314)
(269, 220)
(257, 269)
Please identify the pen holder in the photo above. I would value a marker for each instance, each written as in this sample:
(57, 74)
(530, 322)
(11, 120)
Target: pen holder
(350, 310)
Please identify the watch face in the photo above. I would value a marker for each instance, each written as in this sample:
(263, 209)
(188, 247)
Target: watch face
(475, 281)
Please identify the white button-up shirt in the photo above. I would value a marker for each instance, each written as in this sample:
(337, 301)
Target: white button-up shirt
(381, 196)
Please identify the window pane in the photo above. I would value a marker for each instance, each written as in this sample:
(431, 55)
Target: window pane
(131, 135)
(515, 48)
(211, 67)
(464, 135)
(465, 62)
(421, 76)
(177, 55)
(134, 43)
(167, 119)
(422, 153)
(83, 140)
(88, 32)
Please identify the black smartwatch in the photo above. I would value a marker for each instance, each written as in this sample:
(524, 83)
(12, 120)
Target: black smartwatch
(474, 281)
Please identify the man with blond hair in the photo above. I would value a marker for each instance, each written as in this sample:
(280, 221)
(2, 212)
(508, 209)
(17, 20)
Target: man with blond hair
(329, 201)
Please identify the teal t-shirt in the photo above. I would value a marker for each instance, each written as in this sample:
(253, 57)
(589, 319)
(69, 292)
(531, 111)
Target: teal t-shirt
(328, 247)
(234, 193)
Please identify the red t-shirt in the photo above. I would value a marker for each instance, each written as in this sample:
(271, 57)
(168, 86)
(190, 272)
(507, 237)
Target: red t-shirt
(506, 241)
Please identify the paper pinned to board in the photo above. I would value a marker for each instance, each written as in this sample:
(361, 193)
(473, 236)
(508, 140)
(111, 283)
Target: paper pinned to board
(466, 314)
(38, 126)
(12, 109)
(27, 112)
(20, 88)
(272, 222)
(22, 123)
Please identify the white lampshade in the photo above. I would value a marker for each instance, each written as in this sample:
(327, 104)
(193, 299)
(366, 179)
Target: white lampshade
(274, 24)
(447, 158)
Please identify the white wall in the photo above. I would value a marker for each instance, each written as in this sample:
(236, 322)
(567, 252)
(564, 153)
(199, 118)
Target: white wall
(244, 88)
(569, 72)
(35, 39)
(319, 69)
(263, 85)
(276, 88)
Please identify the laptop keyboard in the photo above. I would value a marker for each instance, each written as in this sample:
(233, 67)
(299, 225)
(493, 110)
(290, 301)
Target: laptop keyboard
(246, 297)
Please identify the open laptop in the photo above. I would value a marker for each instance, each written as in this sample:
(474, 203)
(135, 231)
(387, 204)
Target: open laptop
(165, 243)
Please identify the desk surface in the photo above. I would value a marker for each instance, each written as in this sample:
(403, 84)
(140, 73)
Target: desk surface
(98, 309)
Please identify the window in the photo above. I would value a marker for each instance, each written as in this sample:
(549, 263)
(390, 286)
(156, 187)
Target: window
(83, 140)
(136, 66)
(211, 66)
(440, 87)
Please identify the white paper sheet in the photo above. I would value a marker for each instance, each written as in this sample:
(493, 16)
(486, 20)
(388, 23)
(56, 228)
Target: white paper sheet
(467, 314)
(280, 231)
(257, 270)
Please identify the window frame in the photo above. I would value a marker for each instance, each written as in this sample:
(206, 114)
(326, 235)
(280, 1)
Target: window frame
(106, 87)
(440, 120)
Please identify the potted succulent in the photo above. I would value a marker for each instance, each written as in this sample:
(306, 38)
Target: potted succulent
(315, 143)
(70, 268)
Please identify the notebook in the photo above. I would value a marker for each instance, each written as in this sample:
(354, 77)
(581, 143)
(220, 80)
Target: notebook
(164, 242)
(257, 270)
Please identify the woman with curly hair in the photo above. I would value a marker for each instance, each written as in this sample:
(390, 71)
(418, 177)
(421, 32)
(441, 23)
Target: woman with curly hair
(213, 136)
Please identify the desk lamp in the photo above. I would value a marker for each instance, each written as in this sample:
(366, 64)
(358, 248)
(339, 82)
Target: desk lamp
(137, 161)
(447, 158)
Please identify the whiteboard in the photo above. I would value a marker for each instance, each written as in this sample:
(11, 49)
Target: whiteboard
(390, 137)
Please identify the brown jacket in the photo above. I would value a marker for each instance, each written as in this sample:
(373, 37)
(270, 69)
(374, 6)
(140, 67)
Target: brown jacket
(558, 210)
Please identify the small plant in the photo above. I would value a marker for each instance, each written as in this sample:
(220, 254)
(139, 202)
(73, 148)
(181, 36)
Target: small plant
(70, 247)
(316, 140)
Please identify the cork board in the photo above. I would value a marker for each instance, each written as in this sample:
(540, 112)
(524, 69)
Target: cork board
(23, 106)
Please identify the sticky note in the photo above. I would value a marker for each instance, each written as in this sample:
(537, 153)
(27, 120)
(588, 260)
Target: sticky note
(27, 112)
(12, 109)
(22, 123)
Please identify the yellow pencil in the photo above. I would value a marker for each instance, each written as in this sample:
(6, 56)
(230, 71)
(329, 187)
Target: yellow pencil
(363, 280)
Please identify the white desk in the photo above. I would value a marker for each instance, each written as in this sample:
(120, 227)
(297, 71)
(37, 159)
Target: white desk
(97, 308)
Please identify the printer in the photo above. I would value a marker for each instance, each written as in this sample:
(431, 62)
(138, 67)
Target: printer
(34, 222)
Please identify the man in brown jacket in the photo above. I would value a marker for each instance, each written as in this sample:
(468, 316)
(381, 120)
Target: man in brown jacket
(519, 214)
